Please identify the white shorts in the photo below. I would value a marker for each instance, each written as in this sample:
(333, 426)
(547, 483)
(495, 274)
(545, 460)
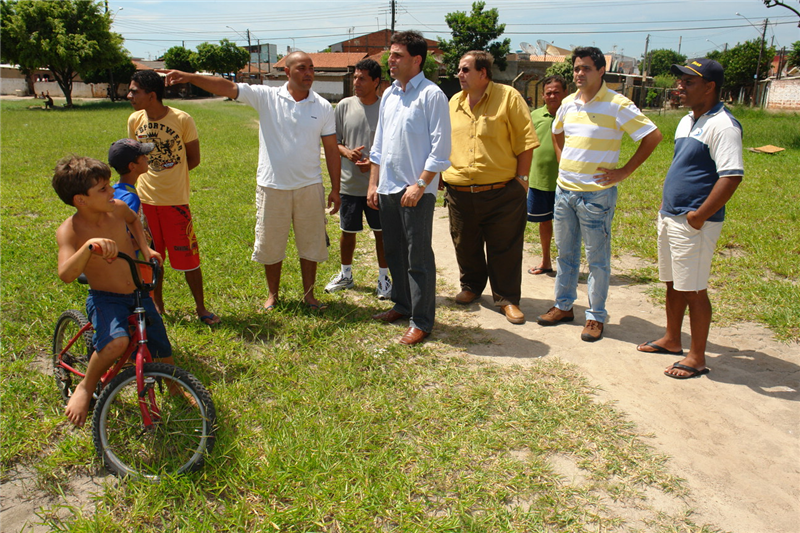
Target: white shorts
(279, 210)
(685, 253)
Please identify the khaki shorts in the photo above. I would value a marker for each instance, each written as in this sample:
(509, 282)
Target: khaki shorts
(277, 211)
(685, 253)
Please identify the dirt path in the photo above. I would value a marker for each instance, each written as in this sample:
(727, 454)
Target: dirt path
(733, 434)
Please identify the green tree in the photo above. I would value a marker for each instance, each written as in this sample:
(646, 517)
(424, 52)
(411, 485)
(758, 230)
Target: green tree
(232, 58)
(120, 74)
(221, 59)
(430, 69)
(664, 81)
(563, 69)
(180, 58)
(740, 63)
(793, 56)
(68, 37)
(660, 60)
(474, 31)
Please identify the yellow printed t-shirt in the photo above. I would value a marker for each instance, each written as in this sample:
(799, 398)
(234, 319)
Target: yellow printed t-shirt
(167, 179)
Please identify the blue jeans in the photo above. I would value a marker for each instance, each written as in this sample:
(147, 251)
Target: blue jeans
(587, 216)
(108, 312)
(407, 233)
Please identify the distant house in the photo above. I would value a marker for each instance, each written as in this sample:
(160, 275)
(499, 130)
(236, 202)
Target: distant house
(333, 74)
(375, 43)
(141, 64)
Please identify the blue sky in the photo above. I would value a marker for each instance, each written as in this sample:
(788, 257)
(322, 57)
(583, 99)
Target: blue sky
(150, 27)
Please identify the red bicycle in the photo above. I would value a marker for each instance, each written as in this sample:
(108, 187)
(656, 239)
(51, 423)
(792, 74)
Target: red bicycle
(150, 419)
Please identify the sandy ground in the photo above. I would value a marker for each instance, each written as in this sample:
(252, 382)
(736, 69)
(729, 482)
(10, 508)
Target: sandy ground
(732, 435)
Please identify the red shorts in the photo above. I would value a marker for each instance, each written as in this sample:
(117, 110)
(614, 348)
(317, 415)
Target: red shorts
(173, 235)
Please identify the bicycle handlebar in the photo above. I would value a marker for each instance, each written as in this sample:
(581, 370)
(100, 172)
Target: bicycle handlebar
(135, 273)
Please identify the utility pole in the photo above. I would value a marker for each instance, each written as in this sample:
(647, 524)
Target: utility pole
(260, 76)
(249, 54)
(758, 65)
(394, 11)
(680, 40)
(643, 95)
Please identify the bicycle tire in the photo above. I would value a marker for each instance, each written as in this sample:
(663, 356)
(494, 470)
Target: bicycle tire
(68, 325)
(177, 443)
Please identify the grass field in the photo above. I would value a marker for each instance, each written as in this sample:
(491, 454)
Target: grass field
(325, 423)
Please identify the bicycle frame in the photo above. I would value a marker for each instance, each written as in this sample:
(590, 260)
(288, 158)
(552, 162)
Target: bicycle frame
(137, 326)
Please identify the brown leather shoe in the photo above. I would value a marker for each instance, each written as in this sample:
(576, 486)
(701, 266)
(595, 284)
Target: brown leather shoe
(513, 314)
(592, 331)
(389, 316)
(554, 316)
(413, 336)
(466, 297)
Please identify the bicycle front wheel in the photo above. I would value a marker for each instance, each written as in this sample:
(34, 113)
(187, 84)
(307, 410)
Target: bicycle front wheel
(68, 325)
(180, 437)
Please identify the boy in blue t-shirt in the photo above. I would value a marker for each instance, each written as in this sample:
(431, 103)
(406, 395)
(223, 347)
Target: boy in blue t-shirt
(129, 158)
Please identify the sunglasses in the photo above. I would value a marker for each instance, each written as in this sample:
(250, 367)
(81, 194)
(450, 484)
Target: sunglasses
(464, 70)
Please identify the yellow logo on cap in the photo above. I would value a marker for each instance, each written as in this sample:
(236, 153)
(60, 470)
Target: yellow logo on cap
(696, 63)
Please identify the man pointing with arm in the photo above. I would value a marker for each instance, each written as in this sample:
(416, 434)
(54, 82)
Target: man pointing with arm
(292, 120)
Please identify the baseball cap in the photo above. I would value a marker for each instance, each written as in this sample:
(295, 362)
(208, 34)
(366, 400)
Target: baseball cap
(708, 69)
(126, 151)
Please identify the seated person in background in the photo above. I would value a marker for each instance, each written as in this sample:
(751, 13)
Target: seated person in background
(102, 221)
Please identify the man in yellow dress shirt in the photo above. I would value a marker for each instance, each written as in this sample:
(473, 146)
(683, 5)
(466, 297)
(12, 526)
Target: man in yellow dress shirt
(493, 141)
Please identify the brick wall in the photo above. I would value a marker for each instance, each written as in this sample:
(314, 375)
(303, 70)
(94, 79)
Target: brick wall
(784, 95)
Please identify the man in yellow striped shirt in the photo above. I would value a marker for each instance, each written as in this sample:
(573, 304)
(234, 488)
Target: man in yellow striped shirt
(587, 134)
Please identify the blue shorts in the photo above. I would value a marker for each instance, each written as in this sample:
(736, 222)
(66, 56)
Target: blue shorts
(108, 312)
(350, 214)
(540, 205)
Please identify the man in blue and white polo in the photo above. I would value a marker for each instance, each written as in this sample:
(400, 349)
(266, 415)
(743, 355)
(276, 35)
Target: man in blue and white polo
(706, 170)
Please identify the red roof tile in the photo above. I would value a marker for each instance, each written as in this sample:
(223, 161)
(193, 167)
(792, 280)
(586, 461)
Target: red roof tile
(325, 60)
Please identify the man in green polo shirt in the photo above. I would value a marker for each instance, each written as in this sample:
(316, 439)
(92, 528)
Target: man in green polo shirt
(544, 169)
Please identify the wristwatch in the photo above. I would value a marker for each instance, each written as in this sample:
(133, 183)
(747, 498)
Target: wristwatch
(421, 183)
(523, 177)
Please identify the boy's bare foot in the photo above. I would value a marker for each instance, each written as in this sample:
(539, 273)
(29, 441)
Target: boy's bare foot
(78, 405)
(176, 390)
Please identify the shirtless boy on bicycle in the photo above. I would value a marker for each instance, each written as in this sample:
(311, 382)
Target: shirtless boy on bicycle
(100, 220)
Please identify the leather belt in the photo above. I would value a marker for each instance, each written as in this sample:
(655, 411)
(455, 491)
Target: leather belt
(479, 188)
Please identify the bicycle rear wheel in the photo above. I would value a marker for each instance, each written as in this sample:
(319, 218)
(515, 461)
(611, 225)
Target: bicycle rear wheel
(68, 325)
(177, 442)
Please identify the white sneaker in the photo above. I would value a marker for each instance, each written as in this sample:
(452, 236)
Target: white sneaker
(339, 282)
(384, 290)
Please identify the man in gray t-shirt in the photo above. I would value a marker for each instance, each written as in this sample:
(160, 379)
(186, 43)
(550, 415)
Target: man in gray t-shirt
(356, 121)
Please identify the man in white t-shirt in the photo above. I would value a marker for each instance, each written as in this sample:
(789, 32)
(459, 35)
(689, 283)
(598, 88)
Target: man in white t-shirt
(290, 193)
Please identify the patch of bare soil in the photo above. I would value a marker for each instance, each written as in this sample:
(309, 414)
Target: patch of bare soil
(733, 434)
(27, 508)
